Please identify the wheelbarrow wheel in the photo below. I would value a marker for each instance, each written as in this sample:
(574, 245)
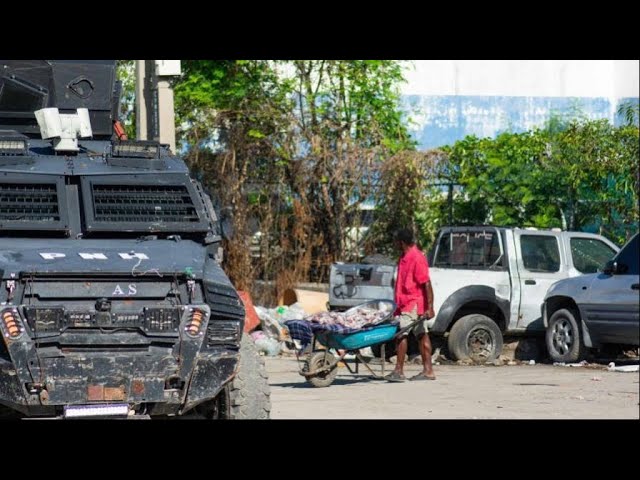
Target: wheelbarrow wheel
(316, 361)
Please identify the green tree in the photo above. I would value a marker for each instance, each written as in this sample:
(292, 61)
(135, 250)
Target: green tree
(126, 74)
(630, 111)
(293, 146)
(575, 174)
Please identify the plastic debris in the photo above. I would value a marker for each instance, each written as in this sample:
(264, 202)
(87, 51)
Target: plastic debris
(270, 324)
(625, 368)
(367, 352)
(562, 364)
(252, 321)
(258, 335)
(269, 346)
(292, 312)
(596, 379)
(532, 362)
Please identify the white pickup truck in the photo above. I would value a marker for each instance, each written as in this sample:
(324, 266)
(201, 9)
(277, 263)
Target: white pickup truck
(487, 281)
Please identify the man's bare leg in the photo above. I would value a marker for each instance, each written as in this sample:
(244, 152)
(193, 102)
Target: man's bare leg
(401, 351)
(424, 343)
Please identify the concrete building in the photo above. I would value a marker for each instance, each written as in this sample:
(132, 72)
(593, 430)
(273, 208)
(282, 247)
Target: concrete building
(449, 99)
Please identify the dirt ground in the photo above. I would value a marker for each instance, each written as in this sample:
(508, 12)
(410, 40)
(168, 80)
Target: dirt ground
(460, 392)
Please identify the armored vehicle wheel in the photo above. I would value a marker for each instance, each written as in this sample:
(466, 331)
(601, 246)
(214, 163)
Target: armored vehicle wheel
(7, 413)
(249, 392)
(316, 361)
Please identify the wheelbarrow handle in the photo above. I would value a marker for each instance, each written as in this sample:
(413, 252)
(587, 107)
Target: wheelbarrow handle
(421, 318)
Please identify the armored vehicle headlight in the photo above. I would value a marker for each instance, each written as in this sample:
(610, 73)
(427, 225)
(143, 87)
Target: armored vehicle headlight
(13, 146)
(136, 149)
(11, 323)
(195, 323)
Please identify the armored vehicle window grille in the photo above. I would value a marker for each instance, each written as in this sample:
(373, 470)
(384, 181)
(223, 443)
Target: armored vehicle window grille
(227, 316)
(29, 202)
(143, 203)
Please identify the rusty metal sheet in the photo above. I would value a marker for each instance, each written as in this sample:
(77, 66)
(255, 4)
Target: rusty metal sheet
(95, 393)
(137, 387)
(114, 393)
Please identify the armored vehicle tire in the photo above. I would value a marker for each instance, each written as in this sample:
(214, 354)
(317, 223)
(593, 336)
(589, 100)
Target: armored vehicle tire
(564, 337)
(249, 392)
(475, 337)
(7, 413)
(318, 360)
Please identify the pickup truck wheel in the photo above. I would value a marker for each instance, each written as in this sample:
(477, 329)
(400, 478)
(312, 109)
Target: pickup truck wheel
(475, 337)
(564, 337)
(249, 392)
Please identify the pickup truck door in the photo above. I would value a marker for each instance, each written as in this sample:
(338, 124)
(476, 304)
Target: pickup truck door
(540, 263)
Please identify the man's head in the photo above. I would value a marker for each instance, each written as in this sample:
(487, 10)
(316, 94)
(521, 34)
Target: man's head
(404, 238)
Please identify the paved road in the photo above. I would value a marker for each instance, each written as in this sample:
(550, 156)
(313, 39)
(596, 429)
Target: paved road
(468, 392)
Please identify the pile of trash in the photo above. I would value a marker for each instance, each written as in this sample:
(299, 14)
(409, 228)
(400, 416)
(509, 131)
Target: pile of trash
(611, 367)
(274, 335)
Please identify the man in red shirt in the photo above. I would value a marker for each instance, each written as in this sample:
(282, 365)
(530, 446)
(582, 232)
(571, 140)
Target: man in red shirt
(414, 299)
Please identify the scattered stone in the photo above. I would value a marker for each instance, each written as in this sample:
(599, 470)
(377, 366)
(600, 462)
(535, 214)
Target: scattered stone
(466, 361)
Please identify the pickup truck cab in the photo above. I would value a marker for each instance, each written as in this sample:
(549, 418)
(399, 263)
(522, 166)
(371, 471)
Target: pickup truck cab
(488, 282)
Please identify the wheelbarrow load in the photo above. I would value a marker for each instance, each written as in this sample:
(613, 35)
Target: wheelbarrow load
(362, 326)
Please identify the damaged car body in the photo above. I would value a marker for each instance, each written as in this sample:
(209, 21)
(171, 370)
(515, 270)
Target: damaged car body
(112, 297)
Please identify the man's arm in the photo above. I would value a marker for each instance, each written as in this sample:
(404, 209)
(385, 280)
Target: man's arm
(428, 295)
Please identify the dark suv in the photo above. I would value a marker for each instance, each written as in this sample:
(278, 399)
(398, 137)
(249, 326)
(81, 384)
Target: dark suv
(590, 311)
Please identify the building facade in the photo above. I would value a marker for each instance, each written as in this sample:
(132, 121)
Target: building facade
(446, 100)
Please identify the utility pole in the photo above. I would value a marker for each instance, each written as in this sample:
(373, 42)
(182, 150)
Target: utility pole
(154, 101)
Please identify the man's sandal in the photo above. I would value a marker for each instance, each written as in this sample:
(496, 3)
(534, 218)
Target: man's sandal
(421, 376)
(395, 377)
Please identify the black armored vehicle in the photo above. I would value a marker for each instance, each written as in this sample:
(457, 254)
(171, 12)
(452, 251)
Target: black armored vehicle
(112, 298)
